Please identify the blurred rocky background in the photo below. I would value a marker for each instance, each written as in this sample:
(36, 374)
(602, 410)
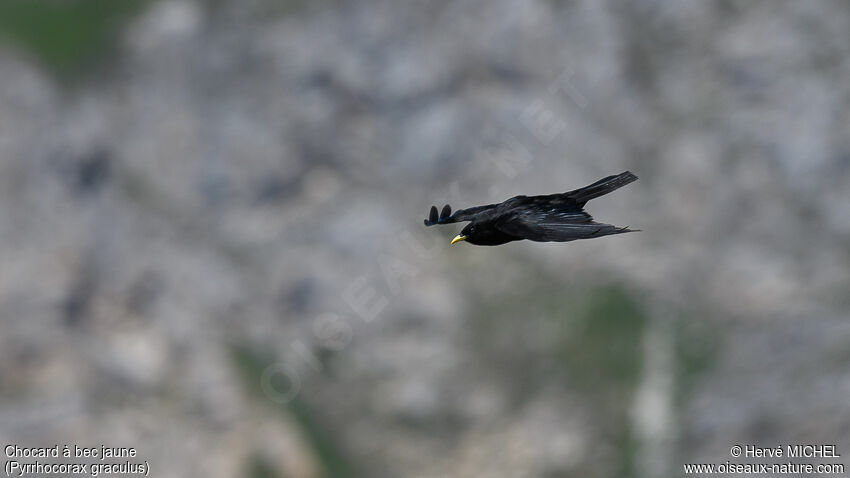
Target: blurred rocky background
(211, 240)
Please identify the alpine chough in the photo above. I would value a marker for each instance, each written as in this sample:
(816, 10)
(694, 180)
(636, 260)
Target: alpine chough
(551, 218)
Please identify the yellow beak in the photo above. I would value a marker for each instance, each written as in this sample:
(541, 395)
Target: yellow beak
(458, 238)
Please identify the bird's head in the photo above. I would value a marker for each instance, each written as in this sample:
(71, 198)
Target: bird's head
(466, 234)
(483, 234)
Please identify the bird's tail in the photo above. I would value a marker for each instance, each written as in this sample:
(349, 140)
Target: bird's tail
(601, 187)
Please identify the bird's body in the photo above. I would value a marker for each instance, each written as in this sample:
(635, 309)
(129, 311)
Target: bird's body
(550, 218)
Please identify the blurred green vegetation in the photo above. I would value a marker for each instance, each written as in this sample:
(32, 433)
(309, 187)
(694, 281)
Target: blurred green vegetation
(586, 338)
(250, 363)
(65, 36)
(542, 332)
(695, 345)
(259, 467)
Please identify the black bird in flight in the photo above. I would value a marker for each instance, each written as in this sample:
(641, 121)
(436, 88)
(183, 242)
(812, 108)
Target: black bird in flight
(550, 218)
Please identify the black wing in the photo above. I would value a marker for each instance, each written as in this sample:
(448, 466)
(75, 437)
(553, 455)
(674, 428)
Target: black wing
(600, 188)
(553, 222)
(446, 217)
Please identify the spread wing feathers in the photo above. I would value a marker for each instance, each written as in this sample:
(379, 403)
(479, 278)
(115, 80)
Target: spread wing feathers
(554, 225)
(600, 188)
(445, 216)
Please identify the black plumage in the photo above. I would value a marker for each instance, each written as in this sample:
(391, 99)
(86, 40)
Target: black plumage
(551, 218)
